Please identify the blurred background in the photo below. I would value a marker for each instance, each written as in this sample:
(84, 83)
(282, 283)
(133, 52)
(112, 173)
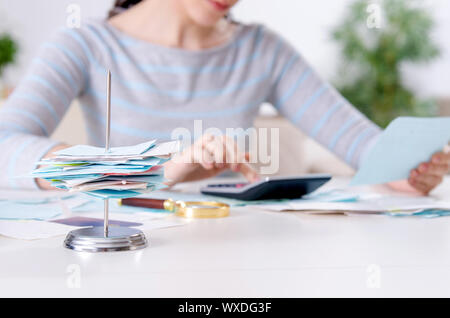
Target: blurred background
(388, 57)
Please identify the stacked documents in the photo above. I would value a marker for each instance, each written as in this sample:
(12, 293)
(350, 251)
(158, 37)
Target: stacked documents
(119, 173)
(365, 203)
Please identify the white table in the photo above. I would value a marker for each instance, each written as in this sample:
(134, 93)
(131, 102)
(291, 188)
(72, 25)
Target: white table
(250, 254)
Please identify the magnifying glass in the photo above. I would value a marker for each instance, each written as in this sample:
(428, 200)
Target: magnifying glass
(196, 209)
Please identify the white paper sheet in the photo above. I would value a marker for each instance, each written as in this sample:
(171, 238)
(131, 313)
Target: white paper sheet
(34, 230)
(379, 205)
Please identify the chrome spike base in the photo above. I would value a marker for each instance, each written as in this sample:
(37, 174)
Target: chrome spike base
(93, 240)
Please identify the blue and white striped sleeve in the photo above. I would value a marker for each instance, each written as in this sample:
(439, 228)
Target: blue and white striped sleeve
(35, 108)
(318, 109)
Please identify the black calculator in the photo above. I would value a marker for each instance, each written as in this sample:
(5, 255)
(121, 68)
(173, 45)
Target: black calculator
(269, 188)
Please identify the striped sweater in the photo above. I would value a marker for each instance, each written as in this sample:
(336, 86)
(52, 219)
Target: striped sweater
(156, 89)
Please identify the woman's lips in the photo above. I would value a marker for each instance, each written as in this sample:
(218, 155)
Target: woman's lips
(219, 5)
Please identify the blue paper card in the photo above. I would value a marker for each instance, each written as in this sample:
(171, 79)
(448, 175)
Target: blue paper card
(19, 211)
(404, 144)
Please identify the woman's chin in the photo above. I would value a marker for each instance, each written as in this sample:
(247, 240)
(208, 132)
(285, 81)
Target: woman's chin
(207, 21)
(205, 16)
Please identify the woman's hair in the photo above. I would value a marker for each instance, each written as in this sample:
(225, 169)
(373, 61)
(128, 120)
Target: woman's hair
(122, 5)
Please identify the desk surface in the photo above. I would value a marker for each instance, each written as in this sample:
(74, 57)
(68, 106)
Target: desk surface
(252, 253)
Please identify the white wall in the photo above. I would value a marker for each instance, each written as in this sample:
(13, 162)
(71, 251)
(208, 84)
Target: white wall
(33, 21)
(305, 23)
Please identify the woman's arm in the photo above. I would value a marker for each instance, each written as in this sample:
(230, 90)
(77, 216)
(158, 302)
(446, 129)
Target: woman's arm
(31, 114)
(320, 111)
(315, 107)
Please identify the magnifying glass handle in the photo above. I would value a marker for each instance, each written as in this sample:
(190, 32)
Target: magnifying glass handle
(144, 203)
(149, 203)
(185, 209)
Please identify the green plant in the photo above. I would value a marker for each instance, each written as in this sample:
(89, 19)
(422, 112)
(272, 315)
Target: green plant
(370, 76)
(8, 51)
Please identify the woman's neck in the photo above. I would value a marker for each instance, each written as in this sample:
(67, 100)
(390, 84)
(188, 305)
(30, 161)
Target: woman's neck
(164, 22)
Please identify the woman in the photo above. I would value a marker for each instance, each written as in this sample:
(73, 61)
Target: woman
(175, 61)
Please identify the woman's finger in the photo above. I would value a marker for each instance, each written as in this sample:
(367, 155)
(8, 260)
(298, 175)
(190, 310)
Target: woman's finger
(441, 158)
(248, 172)
(237, 160)
(207, 160)
(437, 169)
(417, 182)
(215, 152)
(200, 155)
(420, 186)
(218, 151)
(234, 156)
(429, 180)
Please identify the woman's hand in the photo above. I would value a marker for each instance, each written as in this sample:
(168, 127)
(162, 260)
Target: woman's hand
(43, 184)
(429, 175)
(208, 157)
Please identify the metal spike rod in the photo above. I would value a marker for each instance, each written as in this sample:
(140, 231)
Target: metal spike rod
(96, 239)
(107, 148)
(108, 112)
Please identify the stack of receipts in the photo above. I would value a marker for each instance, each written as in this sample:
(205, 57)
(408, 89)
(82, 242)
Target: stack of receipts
(377, 204)
(119, 173)
(367, 201)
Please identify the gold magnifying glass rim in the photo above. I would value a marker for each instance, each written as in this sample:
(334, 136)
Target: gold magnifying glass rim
(206, 209)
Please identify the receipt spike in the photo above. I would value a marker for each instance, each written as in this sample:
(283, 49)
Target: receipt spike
(107, 148)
